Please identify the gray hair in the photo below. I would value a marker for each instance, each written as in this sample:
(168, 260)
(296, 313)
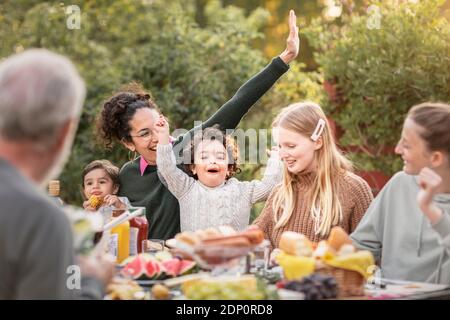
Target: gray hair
(39, 92)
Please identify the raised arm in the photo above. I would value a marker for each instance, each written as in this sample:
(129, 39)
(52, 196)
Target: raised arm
(231, 113)
(260, 189)
(178, 182)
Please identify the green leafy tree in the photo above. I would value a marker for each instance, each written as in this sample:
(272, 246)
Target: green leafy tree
(377, 65)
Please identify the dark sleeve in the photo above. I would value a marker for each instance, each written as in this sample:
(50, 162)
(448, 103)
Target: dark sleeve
(91, 289)
(48, 269)
(231, 113)
(47, 252)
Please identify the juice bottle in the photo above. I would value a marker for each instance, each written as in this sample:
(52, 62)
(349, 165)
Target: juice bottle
(138, 233)
(119, 241)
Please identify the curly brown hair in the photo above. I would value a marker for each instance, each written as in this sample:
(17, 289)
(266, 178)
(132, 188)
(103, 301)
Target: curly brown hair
(211, 134)
(117, 111)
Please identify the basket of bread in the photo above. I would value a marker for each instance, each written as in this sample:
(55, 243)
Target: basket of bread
(335, 257)
(218, 246)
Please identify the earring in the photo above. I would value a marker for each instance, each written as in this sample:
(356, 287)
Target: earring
(134, 155)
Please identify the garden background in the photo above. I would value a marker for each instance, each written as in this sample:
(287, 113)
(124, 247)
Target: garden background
(366, 62)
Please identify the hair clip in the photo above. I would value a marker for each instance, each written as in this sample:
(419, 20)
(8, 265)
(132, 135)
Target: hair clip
(318, 131)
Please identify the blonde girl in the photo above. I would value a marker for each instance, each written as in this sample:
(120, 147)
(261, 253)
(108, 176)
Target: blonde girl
(318, 189)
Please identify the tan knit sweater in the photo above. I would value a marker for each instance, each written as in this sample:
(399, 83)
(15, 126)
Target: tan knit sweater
(355, 197)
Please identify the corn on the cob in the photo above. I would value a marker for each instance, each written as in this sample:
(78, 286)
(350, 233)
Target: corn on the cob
(95, 202)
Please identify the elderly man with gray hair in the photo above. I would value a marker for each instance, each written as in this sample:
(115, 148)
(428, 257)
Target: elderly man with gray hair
(41, 97)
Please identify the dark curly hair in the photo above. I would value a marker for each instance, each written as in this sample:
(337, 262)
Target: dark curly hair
(113, 121)
(211, 134)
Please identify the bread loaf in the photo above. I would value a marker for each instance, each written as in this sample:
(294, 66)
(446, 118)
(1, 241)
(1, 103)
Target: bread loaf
(296, 244)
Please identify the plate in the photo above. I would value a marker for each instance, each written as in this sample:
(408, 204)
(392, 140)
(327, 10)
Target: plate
(171, 243)
(148, 283)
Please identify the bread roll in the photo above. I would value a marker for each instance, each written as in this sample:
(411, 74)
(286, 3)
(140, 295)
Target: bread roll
(296, 244)
(226, 230)
(228, 241)
(254, 236)
(208, 233)
(338, 237)
(189, 238)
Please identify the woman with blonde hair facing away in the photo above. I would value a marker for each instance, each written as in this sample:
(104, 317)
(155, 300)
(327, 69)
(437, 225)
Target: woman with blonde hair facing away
(318, 189)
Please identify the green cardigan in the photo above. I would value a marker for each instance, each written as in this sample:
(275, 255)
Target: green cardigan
(162, 208)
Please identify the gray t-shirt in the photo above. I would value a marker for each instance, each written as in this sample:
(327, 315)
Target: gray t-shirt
(36, 244)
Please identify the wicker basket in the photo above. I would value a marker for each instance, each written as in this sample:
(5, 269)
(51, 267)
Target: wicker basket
(350, 283)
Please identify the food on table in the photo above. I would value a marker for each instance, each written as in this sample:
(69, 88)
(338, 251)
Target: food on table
(163, 255)
(218, 246)
(224, 288)
(176, 267)
(223, 235)
(226, 230)
(160, 292)
(125, 289)
(296, 244)
(95, 202)
(346, 249)
(338, 237)
(227, 241)
(314, 287)
(189, 238)
(336, 257)
(148, 267)
(322, 248)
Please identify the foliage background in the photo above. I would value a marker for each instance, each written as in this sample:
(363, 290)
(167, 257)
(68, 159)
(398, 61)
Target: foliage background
(194, 54)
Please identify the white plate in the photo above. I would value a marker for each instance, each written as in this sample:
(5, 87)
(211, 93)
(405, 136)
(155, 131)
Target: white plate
(171, 243)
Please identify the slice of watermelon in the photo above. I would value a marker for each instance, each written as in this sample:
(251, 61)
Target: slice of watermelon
(176, 267)
(186, 267)
(172, 267)
(135, 269)
(153, 269)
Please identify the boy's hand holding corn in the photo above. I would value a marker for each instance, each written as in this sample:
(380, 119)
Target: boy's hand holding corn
(162, 130)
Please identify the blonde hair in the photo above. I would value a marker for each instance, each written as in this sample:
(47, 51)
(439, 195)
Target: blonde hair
(326, 208)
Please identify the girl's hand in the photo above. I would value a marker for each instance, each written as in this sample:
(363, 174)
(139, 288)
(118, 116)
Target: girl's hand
(162, 130)
(293, 41)
(114, 201)
(429, 182)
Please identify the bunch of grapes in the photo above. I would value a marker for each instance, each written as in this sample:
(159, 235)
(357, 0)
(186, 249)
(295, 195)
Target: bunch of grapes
(315, 287)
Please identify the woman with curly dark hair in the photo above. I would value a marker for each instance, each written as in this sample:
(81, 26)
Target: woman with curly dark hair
(129, 117)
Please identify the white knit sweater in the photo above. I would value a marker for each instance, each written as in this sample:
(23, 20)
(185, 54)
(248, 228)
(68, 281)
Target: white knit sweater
(202, 207)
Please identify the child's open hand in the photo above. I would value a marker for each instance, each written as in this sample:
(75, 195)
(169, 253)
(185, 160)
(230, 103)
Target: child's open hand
(293, 40)
(162, 130)
(429, 182)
